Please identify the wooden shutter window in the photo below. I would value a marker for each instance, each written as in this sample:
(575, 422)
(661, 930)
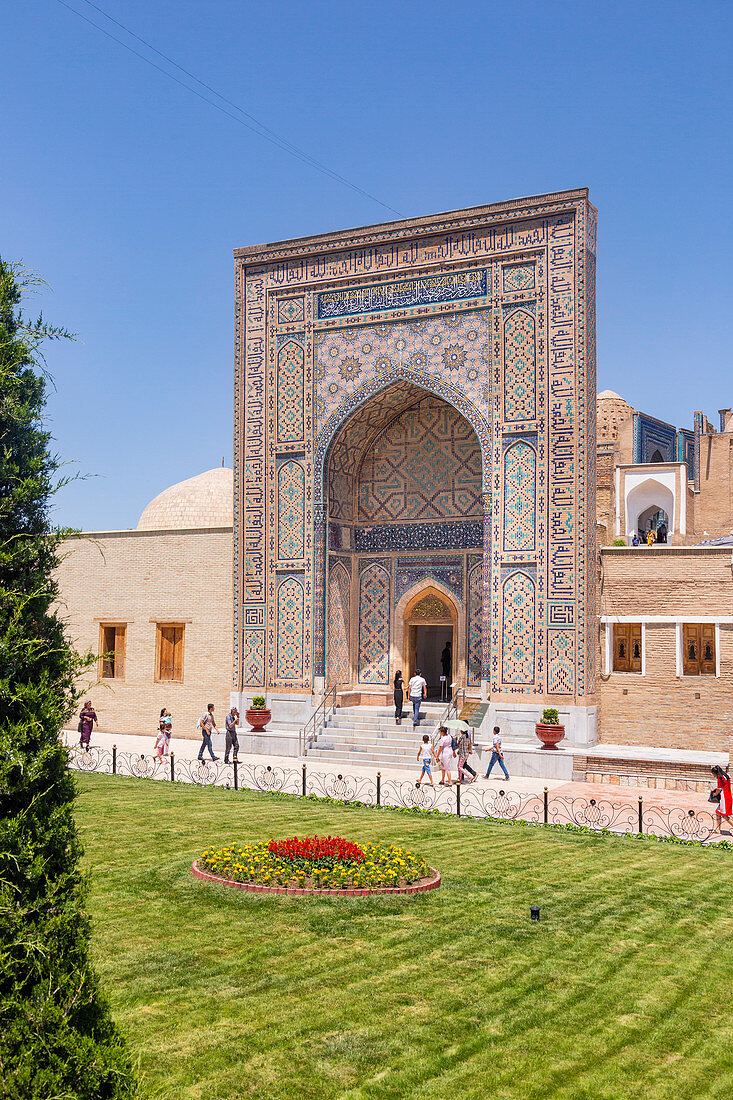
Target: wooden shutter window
(698, 649)
(120, 648)
(690, 649)
(621, 647)
(170, 652)
(707, 649)
(635, 647)
(112, 639)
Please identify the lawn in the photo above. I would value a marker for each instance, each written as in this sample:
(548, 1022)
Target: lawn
(621, 990)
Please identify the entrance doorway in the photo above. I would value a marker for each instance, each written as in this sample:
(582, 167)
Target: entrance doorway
(430, 625)
(430, 643)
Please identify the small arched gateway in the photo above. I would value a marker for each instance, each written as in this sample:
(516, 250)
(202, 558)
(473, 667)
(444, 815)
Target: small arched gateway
(414, 437)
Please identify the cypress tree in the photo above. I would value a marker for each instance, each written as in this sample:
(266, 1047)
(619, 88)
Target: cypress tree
(57, 1038)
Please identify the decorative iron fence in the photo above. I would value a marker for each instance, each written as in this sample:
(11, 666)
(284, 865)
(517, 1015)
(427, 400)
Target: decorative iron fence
(462, 800)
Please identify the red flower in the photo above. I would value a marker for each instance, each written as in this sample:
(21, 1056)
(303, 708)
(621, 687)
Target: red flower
(314, 849)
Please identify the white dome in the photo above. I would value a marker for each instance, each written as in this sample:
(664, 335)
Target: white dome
(202, 501)
(609, 395)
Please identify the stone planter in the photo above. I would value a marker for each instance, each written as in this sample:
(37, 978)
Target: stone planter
(549, 735)
(258, 719)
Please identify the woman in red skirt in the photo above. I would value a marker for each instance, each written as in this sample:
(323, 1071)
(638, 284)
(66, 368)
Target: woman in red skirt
(725, 807)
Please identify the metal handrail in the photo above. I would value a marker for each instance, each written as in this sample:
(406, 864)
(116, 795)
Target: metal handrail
(307, 735)
(451, 709)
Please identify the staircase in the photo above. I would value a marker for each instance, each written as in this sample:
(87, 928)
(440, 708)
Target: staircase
(370, 736)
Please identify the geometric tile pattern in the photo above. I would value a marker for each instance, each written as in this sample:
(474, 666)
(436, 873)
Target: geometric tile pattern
(253, 656)
(374, 614)
(518, 633)
(475, 614)
(339, 586)
(454, 346)
(653, 438)
(520, 382)
(449, 571)
(520, 494)
(290, 310)
(518, 277)
(447, 534)
(290, 360)
(561, 662)
(290, 604)
(290, 510)
(425, 465)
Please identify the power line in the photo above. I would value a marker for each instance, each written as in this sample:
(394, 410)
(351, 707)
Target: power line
(254, 125)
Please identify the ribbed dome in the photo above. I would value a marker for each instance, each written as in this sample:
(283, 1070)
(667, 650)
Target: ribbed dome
(202, 501)
(609, 395)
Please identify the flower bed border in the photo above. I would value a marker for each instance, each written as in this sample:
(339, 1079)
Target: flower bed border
(431, 883)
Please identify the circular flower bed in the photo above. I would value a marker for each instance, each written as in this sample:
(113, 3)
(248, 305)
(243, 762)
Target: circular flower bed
(317, 864)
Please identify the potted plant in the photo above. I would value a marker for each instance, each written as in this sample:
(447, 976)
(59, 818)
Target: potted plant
(258, 715)
(549, 730)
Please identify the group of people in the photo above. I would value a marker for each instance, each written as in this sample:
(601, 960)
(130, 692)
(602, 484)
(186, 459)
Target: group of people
(450, 747)
(207, 725)
(652, 536)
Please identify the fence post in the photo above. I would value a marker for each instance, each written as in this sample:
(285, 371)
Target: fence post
(379, 788)
(544, 802)
(641, 816)
(303, 787)
(236, 777)
(458, 798)
(114, 760)
(173, 767)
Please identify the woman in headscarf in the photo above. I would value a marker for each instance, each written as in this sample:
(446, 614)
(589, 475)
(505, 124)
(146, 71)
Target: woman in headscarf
(724, 809)
(399, 697)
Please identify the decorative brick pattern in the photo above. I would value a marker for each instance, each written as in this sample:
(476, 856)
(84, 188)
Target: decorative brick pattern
(374, 616)
(475, 614)
(520, 494)
(520, 366)
(561, 662)
(339, 600)
(518, 626)
(290, 511)
(425, 466)
(517, 277)
(290, 601)
(290, 361)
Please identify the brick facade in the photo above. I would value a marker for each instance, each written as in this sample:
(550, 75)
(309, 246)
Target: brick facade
(662, 588)
(140, 578)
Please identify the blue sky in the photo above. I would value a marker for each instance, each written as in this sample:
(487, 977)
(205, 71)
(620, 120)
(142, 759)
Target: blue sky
(128, 194)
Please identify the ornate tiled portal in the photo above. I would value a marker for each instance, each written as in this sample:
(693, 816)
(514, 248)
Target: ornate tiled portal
(414, 409)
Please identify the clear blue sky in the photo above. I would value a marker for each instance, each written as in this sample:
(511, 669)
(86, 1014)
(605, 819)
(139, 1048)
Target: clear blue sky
(128, 194)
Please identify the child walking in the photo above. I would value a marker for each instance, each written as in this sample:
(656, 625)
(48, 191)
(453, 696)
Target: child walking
(426, 754)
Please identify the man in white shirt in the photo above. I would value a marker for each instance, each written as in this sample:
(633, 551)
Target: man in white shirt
(497, 756)
(417, 690)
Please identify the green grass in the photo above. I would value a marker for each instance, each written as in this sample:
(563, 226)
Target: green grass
(622, 989)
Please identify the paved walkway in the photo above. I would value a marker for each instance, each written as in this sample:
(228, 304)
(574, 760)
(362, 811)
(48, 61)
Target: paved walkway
(612, 795)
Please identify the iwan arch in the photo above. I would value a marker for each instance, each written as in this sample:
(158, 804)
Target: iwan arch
(414, 460)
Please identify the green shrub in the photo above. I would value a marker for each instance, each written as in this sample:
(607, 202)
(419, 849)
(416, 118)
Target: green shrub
(57, 1038)
(619, 542)
(258, 702)
(550, 717)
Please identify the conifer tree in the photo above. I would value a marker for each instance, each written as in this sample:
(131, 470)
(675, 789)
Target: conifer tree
(57, 1038)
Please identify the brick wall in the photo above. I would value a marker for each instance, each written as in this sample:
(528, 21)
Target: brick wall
(144, 577)
(660, 708)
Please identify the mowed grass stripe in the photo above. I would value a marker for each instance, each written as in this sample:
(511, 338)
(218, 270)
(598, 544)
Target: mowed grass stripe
(615, 993)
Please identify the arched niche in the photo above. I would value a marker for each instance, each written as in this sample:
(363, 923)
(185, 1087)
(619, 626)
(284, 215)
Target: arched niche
(426, 616)
(651, 493)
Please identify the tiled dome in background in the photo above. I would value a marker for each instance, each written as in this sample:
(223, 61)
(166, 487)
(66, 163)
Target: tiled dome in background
(201, 501)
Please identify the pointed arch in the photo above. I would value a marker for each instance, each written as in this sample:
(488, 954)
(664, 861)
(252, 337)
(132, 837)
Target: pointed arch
(374, 619)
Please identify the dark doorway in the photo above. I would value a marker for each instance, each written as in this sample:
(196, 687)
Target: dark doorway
(431, 642)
